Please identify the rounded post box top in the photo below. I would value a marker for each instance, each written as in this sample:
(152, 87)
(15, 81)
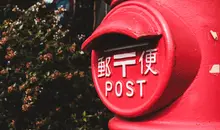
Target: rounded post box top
(113, 2)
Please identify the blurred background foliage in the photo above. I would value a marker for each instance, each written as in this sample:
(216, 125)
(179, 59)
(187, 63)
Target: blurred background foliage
(45, 80)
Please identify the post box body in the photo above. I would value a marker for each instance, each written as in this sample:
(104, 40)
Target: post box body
(156, 65)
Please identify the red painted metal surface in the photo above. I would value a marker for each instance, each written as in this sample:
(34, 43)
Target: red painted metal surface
(181, 85)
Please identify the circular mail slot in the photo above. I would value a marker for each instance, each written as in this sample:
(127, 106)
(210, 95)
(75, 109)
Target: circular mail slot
(130, 76)
(129, 79)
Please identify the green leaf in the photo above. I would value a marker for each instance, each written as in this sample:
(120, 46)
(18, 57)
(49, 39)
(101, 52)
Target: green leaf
(84, 114)
(84, 119)
(90, 116)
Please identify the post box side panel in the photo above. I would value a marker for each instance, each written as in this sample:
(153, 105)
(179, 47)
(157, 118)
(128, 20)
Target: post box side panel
(200, 101)
(187, 57)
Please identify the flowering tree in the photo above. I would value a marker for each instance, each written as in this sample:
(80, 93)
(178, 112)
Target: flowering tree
(44, 76)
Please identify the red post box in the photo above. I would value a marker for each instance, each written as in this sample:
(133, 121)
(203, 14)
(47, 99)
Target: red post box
(156, 65)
